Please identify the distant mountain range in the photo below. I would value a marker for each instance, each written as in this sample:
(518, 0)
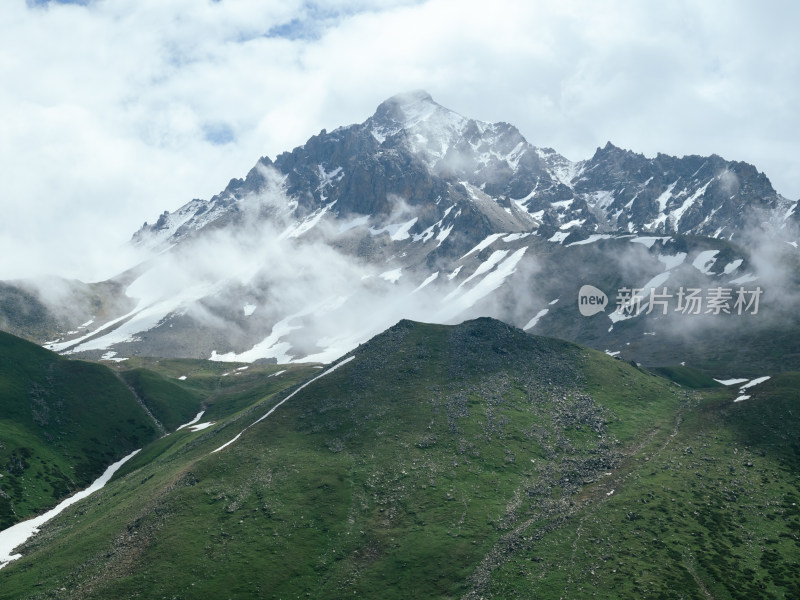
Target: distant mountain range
(419, 212)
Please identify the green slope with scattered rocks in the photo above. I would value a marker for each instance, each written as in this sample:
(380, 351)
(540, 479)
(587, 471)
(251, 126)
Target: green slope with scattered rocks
(439, 461)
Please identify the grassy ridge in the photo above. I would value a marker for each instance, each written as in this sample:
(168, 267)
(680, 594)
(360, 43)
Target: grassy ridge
(400, 471)
(56, 434)
(447, 462)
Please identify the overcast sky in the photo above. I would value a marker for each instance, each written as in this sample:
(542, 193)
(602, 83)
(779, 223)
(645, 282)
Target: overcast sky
(112, 111)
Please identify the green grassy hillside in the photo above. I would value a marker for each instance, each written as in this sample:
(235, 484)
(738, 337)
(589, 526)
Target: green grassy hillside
(446, 462)
(687, 377)
(168, 401)
(710, 512)
(62, 422)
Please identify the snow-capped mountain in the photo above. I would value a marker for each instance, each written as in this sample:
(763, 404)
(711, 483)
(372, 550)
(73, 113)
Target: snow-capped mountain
(414, 149)
(421, 213)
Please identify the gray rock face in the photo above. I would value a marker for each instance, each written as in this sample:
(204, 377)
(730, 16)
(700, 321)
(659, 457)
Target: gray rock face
(693, 195)
(415, 151)
(422, 213)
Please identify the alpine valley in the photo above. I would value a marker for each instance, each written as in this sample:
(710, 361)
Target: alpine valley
(419, 357)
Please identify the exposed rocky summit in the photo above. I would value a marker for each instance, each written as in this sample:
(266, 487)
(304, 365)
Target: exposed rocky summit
(415, 152)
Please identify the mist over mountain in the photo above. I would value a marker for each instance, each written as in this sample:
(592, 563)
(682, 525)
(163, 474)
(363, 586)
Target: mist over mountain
(425, 154)
(458, 444)
(422, 213)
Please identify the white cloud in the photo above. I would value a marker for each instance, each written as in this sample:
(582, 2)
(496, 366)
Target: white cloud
(117, 110)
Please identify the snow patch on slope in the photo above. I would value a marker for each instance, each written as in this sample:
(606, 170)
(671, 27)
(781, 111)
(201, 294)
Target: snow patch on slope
(17, 534)
(670, 262)
(458, 303)
(307, 224)
(396, 231)
(705, 260)
(294, 393)
(430, 279)
(274, 345)
(392, 276)
(532, 323)
(678, 213)
(649, 240)
(488, 241)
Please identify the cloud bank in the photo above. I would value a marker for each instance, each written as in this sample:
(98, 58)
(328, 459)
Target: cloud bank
(114, 111)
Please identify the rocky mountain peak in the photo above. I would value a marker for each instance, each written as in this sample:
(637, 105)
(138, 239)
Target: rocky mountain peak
(414, 152)
(401, 108)
(427, 126)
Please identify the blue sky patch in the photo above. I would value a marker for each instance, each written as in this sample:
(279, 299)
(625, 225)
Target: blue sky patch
(218, 134)
(48, 2)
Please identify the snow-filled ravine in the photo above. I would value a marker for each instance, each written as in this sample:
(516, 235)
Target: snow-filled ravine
(17, 534)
